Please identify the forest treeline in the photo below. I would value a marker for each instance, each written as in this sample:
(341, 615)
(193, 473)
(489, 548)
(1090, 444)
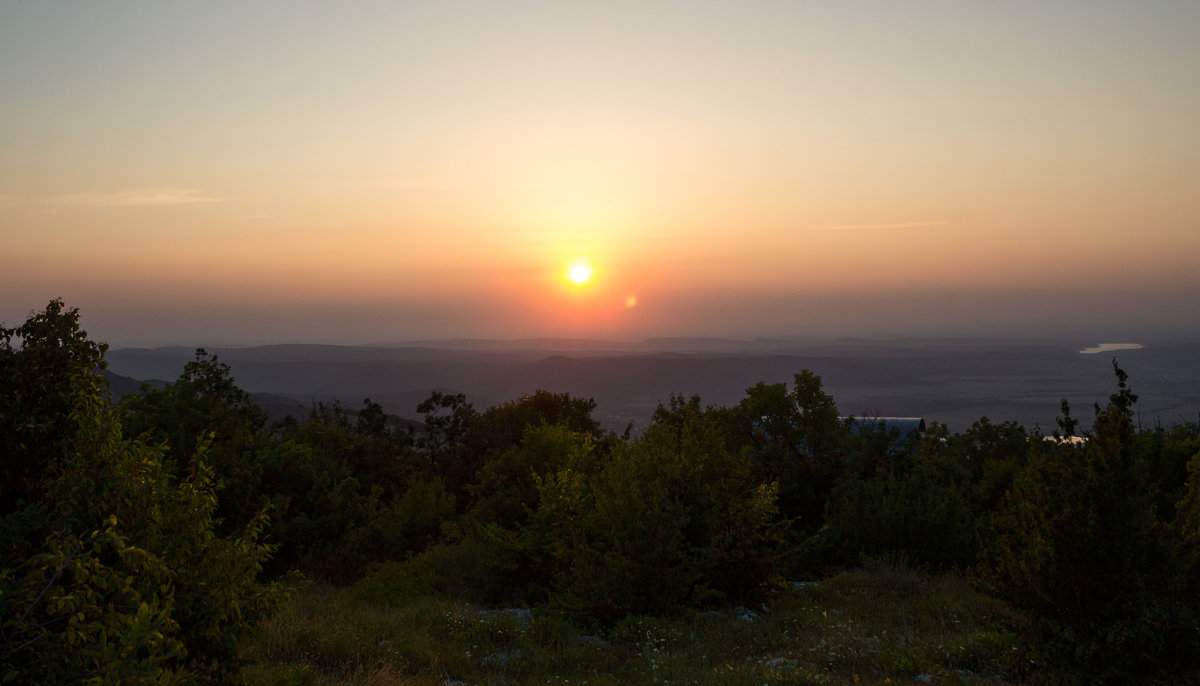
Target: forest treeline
(142, 541)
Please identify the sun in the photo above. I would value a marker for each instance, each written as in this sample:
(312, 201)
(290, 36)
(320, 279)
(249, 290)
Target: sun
(580, 273)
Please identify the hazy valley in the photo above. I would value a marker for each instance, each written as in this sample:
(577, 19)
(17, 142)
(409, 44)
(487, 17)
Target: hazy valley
(955, 381)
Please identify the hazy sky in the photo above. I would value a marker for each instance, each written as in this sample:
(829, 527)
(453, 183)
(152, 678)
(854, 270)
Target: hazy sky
(378, 171)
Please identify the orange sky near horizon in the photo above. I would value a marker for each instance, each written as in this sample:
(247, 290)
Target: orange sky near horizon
(384, 172)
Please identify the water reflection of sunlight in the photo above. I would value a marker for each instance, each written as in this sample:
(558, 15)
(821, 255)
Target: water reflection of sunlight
(1110, 347)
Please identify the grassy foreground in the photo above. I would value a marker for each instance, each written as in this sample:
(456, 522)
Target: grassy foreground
(880, 625)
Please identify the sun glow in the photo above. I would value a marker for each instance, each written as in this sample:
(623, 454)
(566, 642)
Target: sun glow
(580, 273)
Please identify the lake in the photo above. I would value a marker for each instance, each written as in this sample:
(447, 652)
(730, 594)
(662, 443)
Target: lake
(1109, 347)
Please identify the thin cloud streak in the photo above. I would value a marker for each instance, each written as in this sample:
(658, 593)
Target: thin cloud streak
(416, 185)
(897, 225)
(137, 197)
(389, 182)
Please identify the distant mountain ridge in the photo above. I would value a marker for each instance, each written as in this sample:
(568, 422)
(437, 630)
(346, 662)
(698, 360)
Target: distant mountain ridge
(675, 344)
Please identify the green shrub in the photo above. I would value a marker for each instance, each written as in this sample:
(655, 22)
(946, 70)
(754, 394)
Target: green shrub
(669, 521)
(470, 569)
(796, 439)
(47, 365)
(76, 611)
(204, 406)
(332, 520)
(922, 514)
(1078, 546)
(392, 583)
(507, 490)
(115, 570)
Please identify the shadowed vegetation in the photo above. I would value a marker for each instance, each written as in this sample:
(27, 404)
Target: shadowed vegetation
(148, 540)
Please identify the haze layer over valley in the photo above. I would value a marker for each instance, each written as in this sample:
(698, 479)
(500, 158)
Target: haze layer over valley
(955, 381)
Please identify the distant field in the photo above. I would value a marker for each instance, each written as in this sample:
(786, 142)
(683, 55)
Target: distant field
(955, 381)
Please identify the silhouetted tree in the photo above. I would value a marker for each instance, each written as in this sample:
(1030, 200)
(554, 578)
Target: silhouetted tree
(372, 422)
(447, 419)
(47, 365)
(205, 405)
(795, 438)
